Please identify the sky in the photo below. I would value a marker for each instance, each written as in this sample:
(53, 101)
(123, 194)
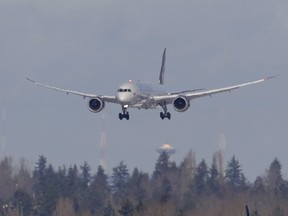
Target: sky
(94, 46)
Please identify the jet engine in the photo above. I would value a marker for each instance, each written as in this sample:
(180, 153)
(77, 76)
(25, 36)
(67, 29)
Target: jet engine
(96, 105)
(181, 104)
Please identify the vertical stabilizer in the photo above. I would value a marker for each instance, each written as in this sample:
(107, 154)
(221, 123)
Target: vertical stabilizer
(162, 71)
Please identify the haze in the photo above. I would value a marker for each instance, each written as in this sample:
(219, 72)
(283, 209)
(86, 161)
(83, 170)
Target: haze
(93, 46)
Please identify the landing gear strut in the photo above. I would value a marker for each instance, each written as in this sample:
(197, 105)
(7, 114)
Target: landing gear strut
(125, 114)
(165, 114)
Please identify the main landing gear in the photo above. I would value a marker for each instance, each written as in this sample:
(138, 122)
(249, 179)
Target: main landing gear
(164, 114)
(125, 114)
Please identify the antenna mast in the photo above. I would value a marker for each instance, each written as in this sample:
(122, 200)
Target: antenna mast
(102, 143)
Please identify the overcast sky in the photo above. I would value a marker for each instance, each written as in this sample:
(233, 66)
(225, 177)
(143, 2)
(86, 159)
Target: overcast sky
(95, 45)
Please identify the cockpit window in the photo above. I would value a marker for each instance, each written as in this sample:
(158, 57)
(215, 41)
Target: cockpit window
(124, 90)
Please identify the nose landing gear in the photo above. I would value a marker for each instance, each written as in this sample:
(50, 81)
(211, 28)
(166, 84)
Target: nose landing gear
(125, 114)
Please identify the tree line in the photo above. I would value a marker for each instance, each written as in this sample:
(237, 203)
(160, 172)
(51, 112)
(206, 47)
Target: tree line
(189, 188)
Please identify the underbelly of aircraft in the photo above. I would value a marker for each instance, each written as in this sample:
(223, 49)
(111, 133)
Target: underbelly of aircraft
(144, 106)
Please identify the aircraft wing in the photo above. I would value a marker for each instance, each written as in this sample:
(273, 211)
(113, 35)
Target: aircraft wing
(191, 94)
(111, 99)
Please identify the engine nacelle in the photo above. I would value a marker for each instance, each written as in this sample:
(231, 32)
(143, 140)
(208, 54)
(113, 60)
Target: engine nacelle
(96, 105)
(181, 104)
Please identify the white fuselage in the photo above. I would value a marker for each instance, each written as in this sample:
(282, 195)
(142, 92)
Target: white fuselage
(139, 95)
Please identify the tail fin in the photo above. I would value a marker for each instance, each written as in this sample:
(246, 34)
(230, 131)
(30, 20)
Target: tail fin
(162, 71)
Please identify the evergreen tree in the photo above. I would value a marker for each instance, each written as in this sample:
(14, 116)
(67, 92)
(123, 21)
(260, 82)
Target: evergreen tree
(276, 184)
(22, 201)
(100, 184)
(201, 178)
(51, 192)
(83, 196)
(187, 190)
(101, 178)
(284, 189)
(137, 190)
(162, 164)
(40, 168)
(99, 191)
(119, 180)
(39, 175)
(72, 182)
(274, 177)
(46, 187)
(23, 177)
(61, 176)
(258, 187)
(166, 191)
(234, 176)
(7, 183)
(85, 175)
(213, 181)
(40, 185)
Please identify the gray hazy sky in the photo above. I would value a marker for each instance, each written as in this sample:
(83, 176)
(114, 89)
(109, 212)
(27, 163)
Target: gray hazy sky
(95, 45)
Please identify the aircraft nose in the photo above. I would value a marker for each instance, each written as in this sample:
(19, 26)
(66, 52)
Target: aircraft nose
(123, 98)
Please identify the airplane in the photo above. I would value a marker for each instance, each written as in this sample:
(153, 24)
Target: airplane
(136, 94)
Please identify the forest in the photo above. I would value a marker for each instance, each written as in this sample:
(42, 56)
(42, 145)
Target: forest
(189, 188)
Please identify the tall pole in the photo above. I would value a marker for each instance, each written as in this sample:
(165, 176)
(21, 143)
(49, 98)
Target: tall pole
(102, 143)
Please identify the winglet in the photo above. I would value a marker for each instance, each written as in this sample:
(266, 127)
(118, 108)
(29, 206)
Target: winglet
(162, 70)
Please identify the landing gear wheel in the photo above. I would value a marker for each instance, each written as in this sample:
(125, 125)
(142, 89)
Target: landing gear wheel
(168, 115)
(124, 115)
(165, 115)
(162, 115)
(120, 116)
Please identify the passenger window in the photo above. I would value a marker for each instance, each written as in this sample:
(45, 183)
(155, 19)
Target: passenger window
(125, 90)
(129, 90)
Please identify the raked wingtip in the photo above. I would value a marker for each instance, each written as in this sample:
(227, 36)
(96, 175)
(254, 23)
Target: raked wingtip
(30, 80)
(271, 77)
